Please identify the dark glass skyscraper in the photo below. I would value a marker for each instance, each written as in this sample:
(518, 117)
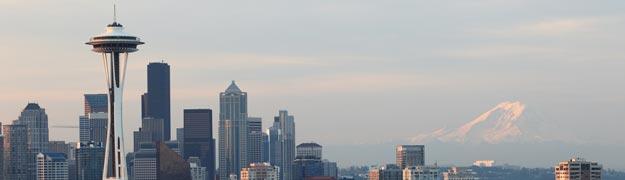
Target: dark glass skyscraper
(95, 103)
(156, 102)
(198, 138)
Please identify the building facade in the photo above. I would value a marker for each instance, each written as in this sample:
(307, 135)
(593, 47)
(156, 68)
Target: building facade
(15, 152)
(287, 139)
(198, 172)
(455, 173)
(96, 103)
(386, 172)
(260, 171)
(233, 131)
(330, 169)
(198, 138)
(410, 155)
(421, 173)
(156, 103)
(89, 161)
(309, 150)
(255, 139)
(36, 121)
(52, 166)
(578, 169)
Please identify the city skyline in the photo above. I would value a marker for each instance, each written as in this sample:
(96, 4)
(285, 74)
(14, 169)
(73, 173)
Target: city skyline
(523, 57)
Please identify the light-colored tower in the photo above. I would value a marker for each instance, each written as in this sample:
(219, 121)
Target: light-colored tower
(114, 46)
(410, 155)
(233, 130)
(287, 139)
(578, 169)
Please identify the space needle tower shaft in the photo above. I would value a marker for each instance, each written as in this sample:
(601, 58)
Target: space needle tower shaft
(114, 46)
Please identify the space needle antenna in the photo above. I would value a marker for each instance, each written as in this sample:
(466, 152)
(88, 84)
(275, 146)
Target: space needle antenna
(114, 12)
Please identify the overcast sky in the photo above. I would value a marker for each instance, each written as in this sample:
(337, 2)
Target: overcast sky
(351, 71)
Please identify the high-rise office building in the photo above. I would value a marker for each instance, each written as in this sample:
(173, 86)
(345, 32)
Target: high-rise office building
(306, 167)
(255, 139)
(69, 149)
(258, 171)
(309, 150)
(89, 161)
(330, 169)
(151, 131)
(198, 138)
(233, 130)
(275, 144)
(410, 155)
(386, 172)
(156, 103)
(36, 121)
(52, 166)
(96, 103)
(93, 127)
(578, 169)
(15, 152)
(144, 164)
(421, 173)
(264, 150)
(287, 138)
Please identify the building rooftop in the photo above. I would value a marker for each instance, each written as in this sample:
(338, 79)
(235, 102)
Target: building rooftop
(32, 106)
(233, 88)
(310, 144)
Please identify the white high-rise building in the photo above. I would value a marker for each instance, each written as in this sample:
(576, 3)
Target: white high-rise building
(578, 169)
(260, 171)
(52, 166)
(421, 173)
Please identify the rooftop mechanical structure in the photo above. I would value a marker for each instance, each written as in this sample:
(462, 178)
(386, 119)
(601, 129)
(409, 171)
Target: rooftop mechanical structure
(114, 46)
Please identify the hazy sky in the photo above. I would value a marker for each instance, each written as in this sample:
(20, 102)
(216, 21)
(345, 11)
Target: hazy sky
(351, 71)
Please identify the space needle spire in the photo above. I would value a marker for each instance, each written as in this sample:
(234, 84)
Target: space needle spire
(114, 45)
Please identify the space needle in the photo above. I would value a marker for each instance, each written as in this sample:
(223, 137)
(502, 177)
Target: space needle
(114, 46)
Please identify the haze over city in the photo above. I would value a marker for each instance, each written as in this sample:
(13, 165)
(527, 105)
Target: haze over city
(355, 74)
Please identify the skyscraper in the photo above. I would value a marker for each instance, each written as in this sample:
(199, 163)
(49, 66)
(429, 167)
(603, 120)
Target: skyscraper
(114, 46)
(198, 172)
(93, 124)
(157, 101)
(287, 138)
(198, 138)
(255, 139)
(578, 169)
(52, 166)
(232, 131)
(90, 161)
(151, 130)
(36, 121)
(15, 152)
(275, 144)
(95, 103)
(410, 155)
(264, 150)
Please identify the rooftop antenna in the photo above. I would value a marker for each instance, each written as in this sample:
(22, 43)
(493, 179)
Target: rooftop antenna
(114, 12)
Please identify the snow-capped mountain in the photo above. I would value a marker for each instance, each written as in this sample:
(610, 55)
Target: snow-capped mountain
(503, 123)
